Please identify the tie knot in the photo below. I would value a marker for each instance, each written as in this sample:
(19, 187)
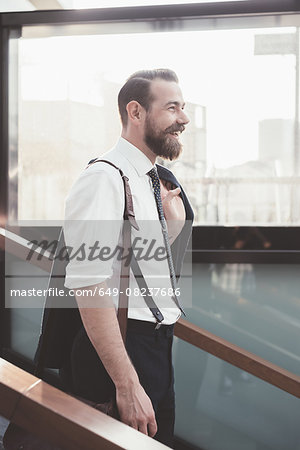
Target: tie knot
(155, 182)
(153, 174)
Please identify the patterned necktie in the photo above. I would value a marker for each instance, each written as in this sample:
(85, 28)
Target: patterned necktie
(156, 187)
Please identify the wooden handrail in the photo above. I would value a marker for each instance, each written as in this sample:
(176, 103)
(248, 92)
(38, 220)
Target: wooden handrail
(61, 419)
(15, 245)
(238, 357)
(225, 350)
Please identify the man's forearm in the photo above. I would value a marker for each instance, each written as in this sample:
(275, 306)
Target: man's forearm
(101, 324)
(102, 327)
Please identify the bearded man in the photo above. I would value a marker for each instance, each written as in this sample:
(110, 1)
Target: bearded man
(152, 113)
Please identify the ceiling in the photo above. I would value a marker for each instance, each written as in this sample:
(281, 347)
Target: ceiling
(33, 5)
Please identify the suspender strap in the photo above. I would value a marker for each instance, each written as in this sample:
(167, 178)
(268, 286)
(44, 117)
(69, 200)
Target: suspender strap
(129, 220)
(122, 313)
(144, 288)
(128, 210)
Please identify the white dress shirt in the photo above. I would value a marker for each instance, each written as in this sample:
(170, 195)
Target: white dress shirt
(94, 213)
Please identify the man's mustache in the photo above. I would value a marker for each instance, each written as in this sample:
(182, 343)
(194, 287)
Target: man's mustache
(173, 129)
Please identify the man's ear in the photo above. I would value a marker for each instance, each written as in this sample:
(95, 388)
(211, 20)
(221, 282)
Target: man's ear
(135, 112)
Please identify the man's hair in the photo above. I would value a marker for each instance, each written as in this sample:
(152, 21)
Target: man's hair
(137, 88)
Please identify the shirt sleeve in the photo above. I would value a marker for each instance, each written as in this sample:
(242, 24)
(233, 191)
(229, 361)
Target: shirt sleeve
(93, 223)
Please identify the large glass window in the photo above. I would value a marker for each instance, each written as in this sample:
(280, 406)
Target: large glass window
(241, 155)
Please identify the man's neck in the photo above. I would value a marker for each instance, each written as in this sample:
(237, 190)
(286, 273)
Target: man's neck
(140, 144)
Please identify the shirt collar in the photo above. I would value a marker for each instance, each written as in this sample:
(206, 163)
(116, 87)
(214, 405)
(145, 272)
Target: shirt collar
(136, 157)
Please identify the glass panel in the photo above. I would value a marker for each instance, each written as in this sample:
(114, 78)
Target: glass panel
(240, 163)
(26, 324)
(220, 407)
(255, 306)
(25, 289)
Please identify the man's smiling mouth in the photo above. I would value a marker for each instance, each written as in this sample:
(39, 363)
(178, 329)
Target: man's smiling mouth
(175, 134)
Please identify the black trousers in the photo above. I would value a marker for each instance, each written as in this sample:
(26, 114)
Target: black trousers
(150, 351)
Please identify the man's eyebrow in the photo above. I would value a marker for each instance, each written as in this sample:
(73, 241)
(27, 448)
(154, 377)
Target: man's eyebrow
(180, 105)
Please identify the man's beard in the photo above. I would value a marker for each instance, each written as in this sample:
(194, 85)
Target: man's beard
(160, 143)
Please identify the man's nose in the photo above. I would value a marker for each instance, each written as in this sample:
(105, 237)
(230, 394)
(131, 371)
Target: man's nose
(183, 118)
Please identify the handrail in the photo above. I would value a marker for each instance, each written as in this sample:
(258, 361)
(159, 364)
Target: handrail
(237, 356)
(61, 419)
(225, 350)
(15, 245)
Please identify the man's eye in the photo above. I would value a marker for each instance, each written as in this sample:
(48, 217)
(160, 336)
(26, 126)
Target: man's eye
(172, 108)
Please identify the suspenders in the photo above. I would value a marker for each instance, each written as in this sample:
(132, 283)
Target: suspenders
(129, 221)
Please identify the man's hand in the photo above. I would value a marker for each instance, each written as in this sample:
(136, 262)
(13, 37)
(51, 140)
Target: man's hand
(135, 408)
(173, 209)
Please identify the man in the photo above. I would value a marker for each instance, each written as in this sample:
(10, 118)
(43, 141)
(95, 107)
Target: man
(151, 108)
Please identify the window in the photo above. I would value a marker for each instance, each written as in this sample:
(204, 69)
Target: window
(240, 164)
